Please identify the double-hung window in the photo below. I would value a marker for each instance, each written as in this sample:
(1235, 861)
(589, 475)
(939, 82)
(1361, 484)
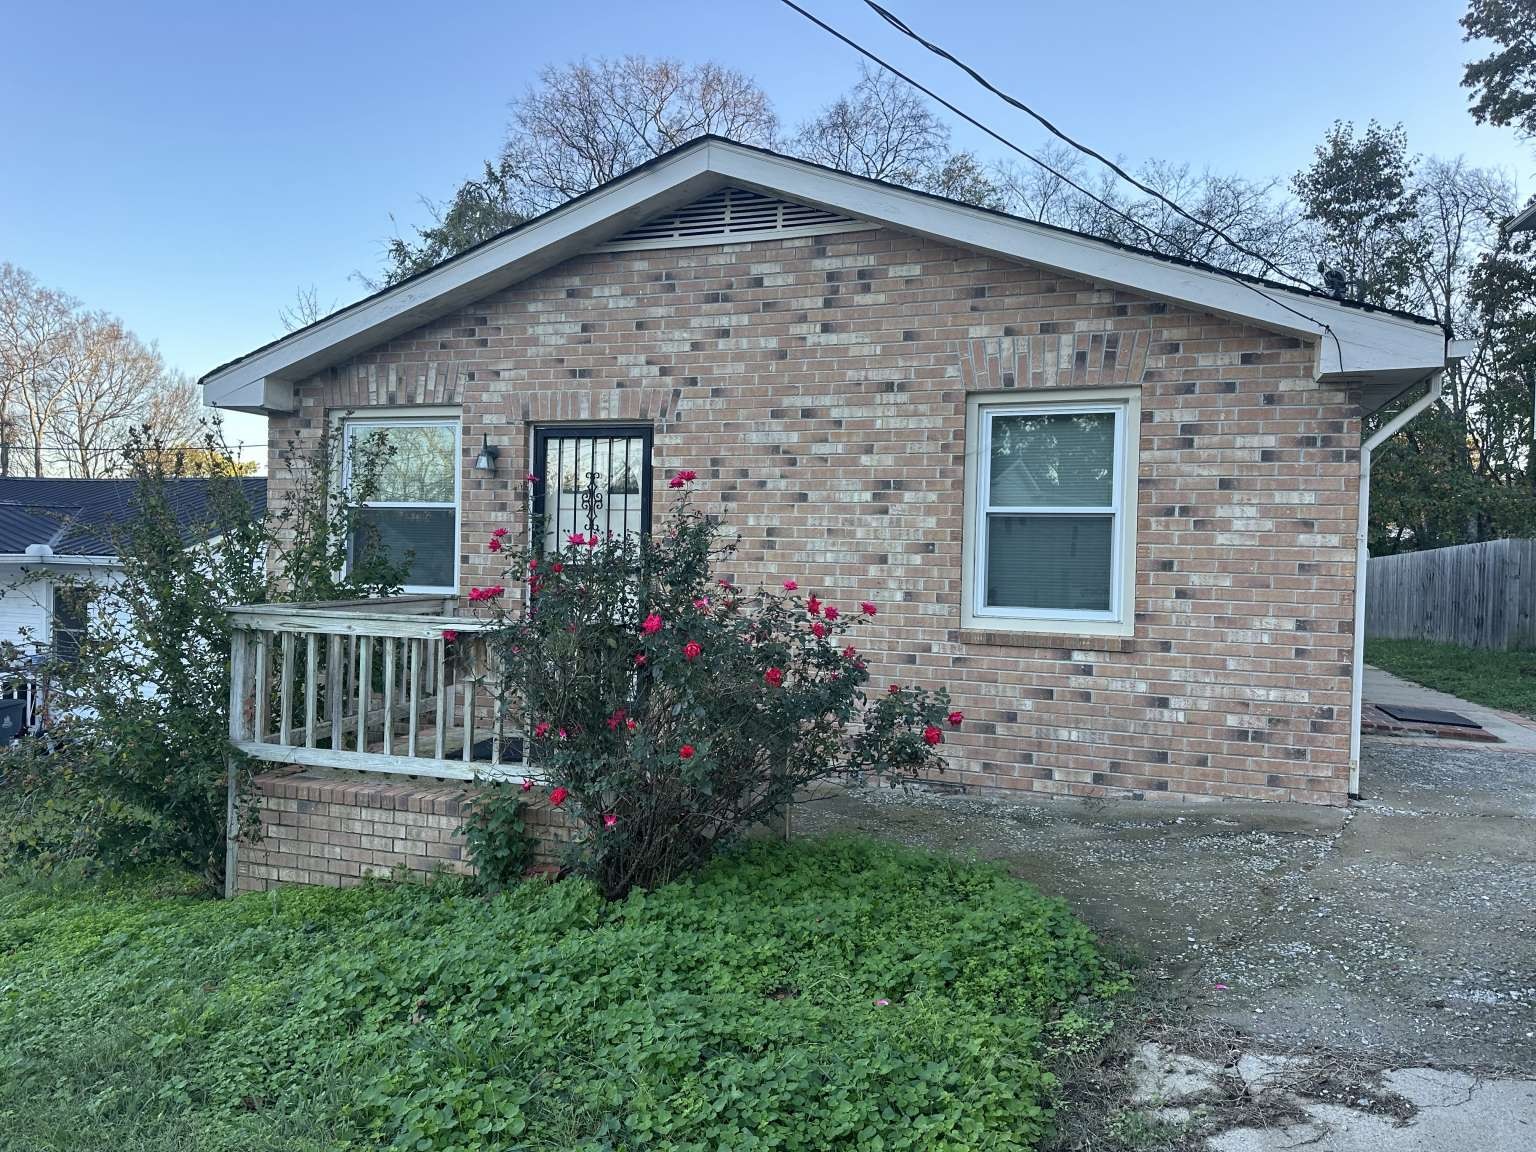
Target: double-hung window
(1051, 513)
(412, 510)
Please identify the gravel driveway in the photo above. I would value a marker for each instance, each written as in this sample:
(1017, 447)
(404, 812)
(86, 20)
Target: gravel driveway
(1400, 932)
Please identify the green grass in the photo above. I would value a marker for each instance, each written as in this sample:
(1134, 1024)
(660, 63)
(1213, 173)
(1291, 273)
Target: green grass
(1505, 680)
(814, 996)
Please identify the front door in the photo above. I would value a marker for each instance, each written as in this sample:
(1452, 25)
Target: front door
(594, 480)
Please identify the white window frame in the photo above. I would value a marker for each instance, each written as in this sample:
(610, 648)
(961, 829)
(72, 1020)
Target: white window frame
(1119, 620)
(347, 422)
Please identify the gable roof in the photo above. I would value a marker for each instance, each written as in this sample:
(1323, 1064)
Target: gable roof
(79, 517)
(1381, 348)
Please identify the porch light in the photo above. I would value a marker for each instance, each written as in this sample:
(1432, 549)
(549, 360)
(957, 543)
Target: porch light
(486, 461)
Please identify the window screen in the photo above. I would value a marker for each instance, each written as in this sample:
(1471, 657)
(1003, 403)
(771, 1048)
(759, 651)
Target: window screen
(1049, 510)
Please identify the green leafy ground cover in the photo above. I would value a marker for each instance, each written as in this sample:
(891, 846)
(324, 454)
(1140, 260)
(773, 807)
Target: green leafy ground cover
(812, 996)
(1505, 680)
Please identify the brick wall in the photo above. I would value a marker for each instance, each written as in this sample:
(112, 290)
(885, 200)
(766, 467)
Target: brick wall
(817, 385)
(339, 828)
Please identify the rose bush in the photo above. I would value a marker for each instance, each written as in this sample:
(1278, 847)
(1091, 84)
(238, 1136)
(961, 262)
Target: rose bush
(670, 710)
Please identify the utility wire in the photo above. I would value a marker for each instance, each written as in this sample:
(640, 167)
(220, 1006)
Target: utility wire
(901, 26)
(1003, 140)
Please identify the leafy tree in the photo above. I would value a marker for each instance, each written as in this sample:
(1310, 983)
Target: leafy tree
(479, 210)
(1503, 83)
(1359, 195)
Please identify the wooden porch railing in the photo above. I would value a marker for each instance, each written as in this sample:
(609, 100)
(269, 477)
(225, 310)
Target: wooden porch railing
(370, 685)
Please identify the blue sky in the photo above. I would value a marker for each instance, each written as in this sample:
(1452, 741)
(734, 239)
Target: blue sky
(188, 166)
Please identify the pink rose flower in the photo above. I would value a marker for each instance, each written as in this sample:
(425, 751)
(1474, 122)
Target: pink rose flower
(527, 784)
(652, 624)
(609, 819)
(541, 730)
(450, 635)
(557, 796)
(790, 585)
(692, 650)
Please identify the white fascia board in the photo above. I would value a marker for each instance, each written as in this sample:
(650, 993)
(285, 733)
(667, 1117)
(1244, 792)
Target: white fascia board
(1357, 342)
(57, 561)
(263, 382)
(1368, 342)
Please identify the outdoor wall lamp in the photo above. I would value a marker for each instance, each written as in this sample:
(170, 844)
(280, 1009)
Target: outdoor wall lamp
(486, 461)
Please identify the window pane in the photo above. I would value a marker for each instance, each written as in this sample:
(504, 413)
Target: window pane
(1061, 460)
(415, 464)
(1049, 562)
(425, 535)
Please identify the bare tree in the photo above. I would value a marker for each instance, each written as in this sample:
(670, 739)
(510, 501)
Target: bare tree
(36, 325)
(588, 122)
(104, 385)
(1268, 228)
(305, 309)
(880, 128)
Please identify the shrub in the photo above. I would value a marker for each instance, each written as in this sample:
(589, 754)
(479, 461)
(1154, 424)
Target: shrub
(670, 710)
(137, 754)
(836, 995)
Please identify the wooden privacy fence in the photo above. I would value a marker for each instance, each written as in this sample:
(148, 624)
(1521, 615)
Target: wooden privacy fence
(1476, 595)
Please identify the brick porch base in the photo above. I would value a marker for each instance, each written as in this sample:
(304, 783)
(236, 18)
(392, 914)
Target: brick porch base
(337, 828)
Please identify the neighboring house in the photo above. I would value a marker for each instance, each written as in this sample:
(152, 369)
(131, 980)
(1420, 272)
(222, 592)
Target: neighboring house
(1112, 501)
(1523, 221)
(56, 539)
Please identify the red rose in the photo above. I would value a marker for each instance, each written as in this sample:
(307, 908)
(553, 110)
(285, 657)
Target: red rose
(639, 659)
(493, 544)
(774, 676)
(686, 751)
(818, 629)
(498, 532)
(932, 735)
(532, 479)
(540, 729)
(867, 608)
(850, 653)
(813, 606)
(956, 719)
(691, 650)
(683, 477)
(652, 624)
(557, 797)
(450, 635)
(790, 585)
(832, 612)
(557, 567)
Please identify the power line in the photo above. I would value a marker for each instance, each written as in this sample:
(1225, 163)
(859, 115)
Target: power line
(1003, 140)
(906, 30)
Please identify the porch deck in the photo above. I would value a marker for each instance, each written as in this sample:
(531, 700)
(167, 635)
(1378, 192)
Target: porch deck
(371, 686)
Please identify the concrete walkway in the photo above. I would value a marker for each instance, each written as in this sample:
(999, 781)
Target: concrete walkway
(1381, 687)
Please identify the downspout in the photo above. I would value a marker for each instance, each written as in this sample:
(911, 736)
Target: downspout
(1362, 532)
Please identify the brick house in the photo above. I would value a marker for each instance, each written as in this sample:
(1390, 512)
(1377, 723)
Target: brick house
(1113, 501)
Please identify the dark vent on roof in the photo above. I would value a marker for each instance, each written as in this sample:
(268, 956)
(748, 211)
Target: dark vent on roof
(733, 212)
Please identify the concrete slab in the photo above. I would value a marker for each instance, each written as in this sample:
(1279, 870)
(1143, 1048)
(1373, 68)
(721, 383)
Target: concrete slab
(1456, 1111)
(1381, 687)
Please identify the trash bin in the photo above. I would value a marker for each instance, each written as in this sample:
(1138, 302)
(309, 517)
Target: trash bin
(13, 720)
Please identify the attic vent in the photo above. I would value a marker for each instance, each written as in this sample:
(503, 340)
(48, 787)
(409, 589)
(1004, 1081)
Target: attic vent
(734, 213)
